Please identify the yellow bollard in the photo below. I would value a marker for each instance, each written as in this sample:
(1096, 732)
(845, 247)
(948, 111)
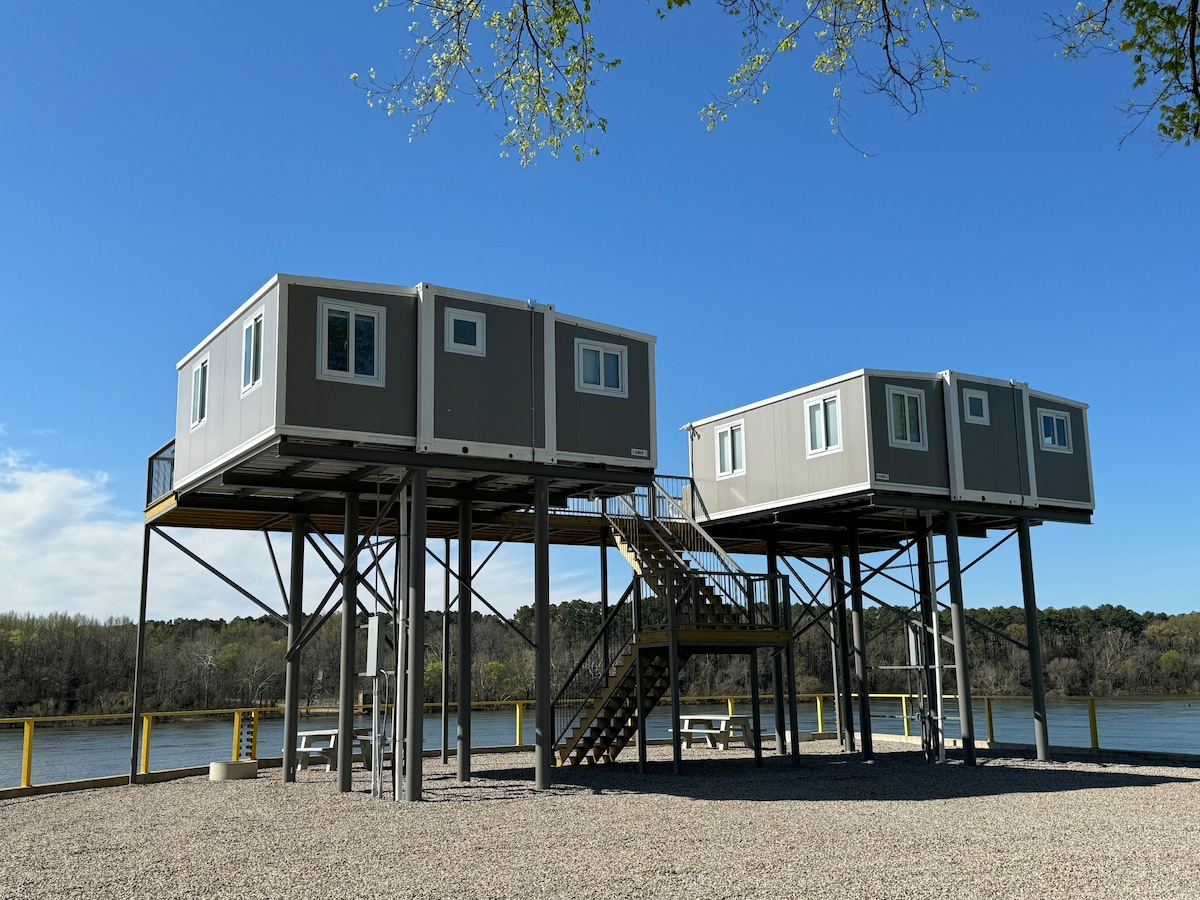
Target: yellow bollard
(820, 714)
(237, 734)
(987, 705)
(1092, 723)
(27, 755)
(520, 723)
(904, 715)
(729, 700)
(254, 735)
(145, 766)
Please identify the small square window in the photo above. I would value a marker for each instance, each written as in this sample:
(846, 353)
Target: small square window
(350, 347)
(975, 407)
(906, 411)
(731, 450)
(200, 393)
(824, 424)
(252, 351)
(1055, 430)
(465, 332)
(601, 368)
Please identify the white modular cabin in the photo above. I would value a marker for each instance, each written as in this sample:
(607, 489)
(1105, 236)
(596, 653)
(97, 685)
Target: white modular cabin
(427, 369)
(944, 437)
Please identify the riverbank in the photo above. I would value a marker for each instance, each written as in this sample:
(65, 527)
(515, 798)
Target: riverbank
(833, 825)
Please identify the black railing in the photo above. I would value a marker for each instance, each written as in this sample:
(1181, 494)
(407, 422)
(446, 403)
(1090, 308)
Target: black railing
(596, 663)
(160, 473)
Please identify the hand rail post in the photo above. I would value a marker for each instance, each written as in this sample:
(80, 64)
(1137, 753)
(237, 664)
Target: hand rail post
(820, 714)
(904, 715)
(254, 734)
(147, 722)
(237, 734)
(520, 723)
(1092, 723)
(987, 705)
(27, 754)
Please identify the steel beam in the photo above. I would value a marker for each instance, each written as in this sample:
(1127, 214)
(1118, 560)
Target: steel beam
(777, 658)
(958, 629)
(415, 701)
(345, 748)
(929, 637)
(860, 647)
(291, 689)
(465, 590)
(140, 658)
(1032, 636)
(838, 586)
(446, 658)
(544, 716)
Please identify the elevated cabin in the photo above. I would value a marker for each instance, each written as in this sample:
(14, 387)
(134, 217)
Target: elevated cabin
(917, 440)
(500, 385)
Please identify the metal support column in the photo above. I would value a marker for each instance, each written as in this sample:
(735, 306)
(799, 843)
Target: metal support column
(400, 637)
(464, 640)
(789, 656)
(958, 630)
(673, 672)
(604, 595)
(414, 742)
(860, 647)
(637, 674)
(345, 748)
(544, 716)
(846, 701)
(1032, 637)
(777, 657)
(446, 655)
(140, 659)
(930, 635)
(291, 687)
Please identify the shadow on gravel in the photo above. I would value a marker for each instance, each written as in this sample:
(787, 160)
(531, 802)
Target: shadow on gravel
(833, 777)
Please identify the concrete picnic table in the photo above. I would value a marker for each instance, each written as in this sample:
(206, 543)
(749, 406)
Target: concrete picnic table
(716, 730)
(320, 745)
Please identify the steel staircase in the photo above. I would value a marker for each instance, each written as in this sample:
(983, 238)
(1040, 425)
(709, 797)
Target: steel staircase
(681, 576)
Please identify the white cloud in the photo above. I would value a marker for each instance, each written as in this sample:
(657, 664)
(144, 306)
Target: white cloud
(64, 547)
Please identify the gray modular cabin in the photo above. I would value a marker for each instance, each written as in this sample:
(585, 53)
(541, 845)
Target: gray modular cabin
(427, 369)
(937, 438)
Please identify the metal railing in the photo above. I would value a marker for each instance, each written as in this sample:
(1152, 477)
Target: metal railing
(160, 472)
(596, 663)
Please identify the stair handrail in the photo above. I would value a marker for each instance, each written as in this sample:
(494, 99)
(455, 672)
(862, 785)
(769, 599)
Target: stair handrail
(715, 583)
(600, 632)
(734, 568)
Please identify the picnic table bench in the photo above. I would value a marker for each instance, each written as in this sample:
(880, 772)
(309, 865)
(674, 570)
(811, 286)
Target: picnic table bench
(717, 731)
(319, 745)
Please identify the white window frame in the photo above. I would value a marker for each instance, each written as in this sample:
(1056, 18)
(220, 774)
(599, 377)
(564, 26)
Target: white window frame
(464, 315)
(730, 428)
(1056, 414)
(825, 447)
(257, 339)
(326, 305)
(201, 379)
(904, 443)
(970, 394)
(619, 350)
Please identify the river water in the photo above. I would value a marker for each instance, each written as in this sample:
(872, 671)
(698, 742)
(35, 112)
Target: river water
(67, 753)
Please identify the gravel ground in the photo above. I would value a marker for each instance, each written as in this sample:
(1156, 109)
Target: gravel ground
(832, 826)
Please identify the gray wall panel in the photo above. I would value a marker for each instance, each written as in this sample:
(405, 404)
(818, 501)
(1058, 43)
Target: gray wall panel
(592, 423)
(906, 465)
(777, 465)
(498, 398)
(994, 455)
(310, 401)
(1061, 476)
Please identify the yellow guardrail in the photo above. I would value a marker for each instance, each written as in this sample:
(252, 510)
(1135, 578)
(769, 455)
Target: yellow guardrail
(246, 720)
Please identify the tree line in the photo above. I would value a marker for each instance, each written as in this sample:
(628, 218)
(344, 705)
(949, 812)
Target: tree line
(62, 664)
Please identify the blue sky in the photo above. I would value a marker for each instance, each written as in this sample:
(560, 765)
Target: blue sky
(158, 162)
